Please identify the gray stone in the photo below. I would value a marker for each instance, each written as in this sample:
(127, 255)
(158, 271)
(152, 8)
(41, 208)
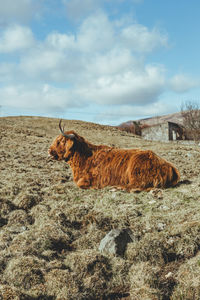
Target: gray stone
(115, 242)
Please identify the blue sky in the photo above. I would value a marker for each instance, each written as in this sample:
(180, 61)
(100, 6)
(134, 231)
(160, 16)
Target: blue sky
(104, 61)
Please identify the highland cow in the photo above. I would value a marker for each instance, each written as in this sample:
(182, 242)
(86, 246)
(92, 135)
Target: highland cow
(98, 166)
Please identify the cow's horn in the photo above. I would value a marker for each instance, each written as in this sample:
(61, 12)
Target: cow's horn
(68, 136)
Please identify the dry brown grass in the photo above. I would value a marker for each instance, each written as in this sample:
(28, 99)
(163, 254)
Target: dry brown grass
(50, 230)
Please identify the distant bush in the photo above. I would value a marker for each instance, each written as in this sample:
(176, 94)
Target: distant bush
(191, 120)
(131, 127)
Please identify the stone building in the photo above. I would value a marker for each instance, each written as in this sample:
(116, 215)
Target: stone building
(166, 131)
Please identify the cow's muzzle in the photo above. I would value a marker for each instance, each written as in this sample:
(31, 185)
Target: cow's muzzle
(53, 154)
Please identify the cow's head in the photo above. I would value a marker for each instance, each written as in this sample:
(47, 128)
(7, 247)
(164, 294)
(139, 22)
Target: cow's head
(66, 144)
(62, 146)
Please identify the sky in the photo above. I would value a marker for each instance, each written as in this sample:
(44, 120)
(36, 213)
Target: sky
(102, 61)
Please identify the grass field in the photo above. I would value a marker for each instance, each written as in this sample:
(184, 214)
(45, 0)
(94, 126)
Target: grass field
(50, 230)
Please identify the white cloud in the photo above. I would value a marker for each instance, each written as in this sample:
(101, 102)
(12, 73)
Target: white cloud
(43, 64)
(115, 61)
(96, 33)
(60, 41)
(181, 83)
(8, 72)
(79, 8)
(43, 98)
(101, 63)
(104, 76)
(141, 39)
(127, 88)
(16, 10)
(95, 50)
(15, 38)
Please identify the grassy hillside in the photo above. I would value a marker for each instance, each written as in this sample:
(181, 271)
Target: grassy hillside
(50, 230)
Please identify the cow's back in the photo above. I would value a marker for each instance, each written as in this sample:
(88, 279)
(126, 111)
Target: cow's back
(131, 169)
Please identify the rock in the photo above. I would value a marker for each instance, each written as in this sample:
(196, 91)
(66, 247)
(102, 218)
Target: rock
(115, 241)
(161, 226)
(168, 275)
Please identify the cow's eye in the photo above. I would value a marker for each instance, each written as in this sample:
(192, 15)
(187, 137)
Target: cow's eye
(58, 143)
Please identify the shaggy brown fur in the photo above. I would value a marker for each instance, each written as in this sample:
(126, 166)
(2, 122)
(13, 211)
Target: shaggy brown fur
(99, 166)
